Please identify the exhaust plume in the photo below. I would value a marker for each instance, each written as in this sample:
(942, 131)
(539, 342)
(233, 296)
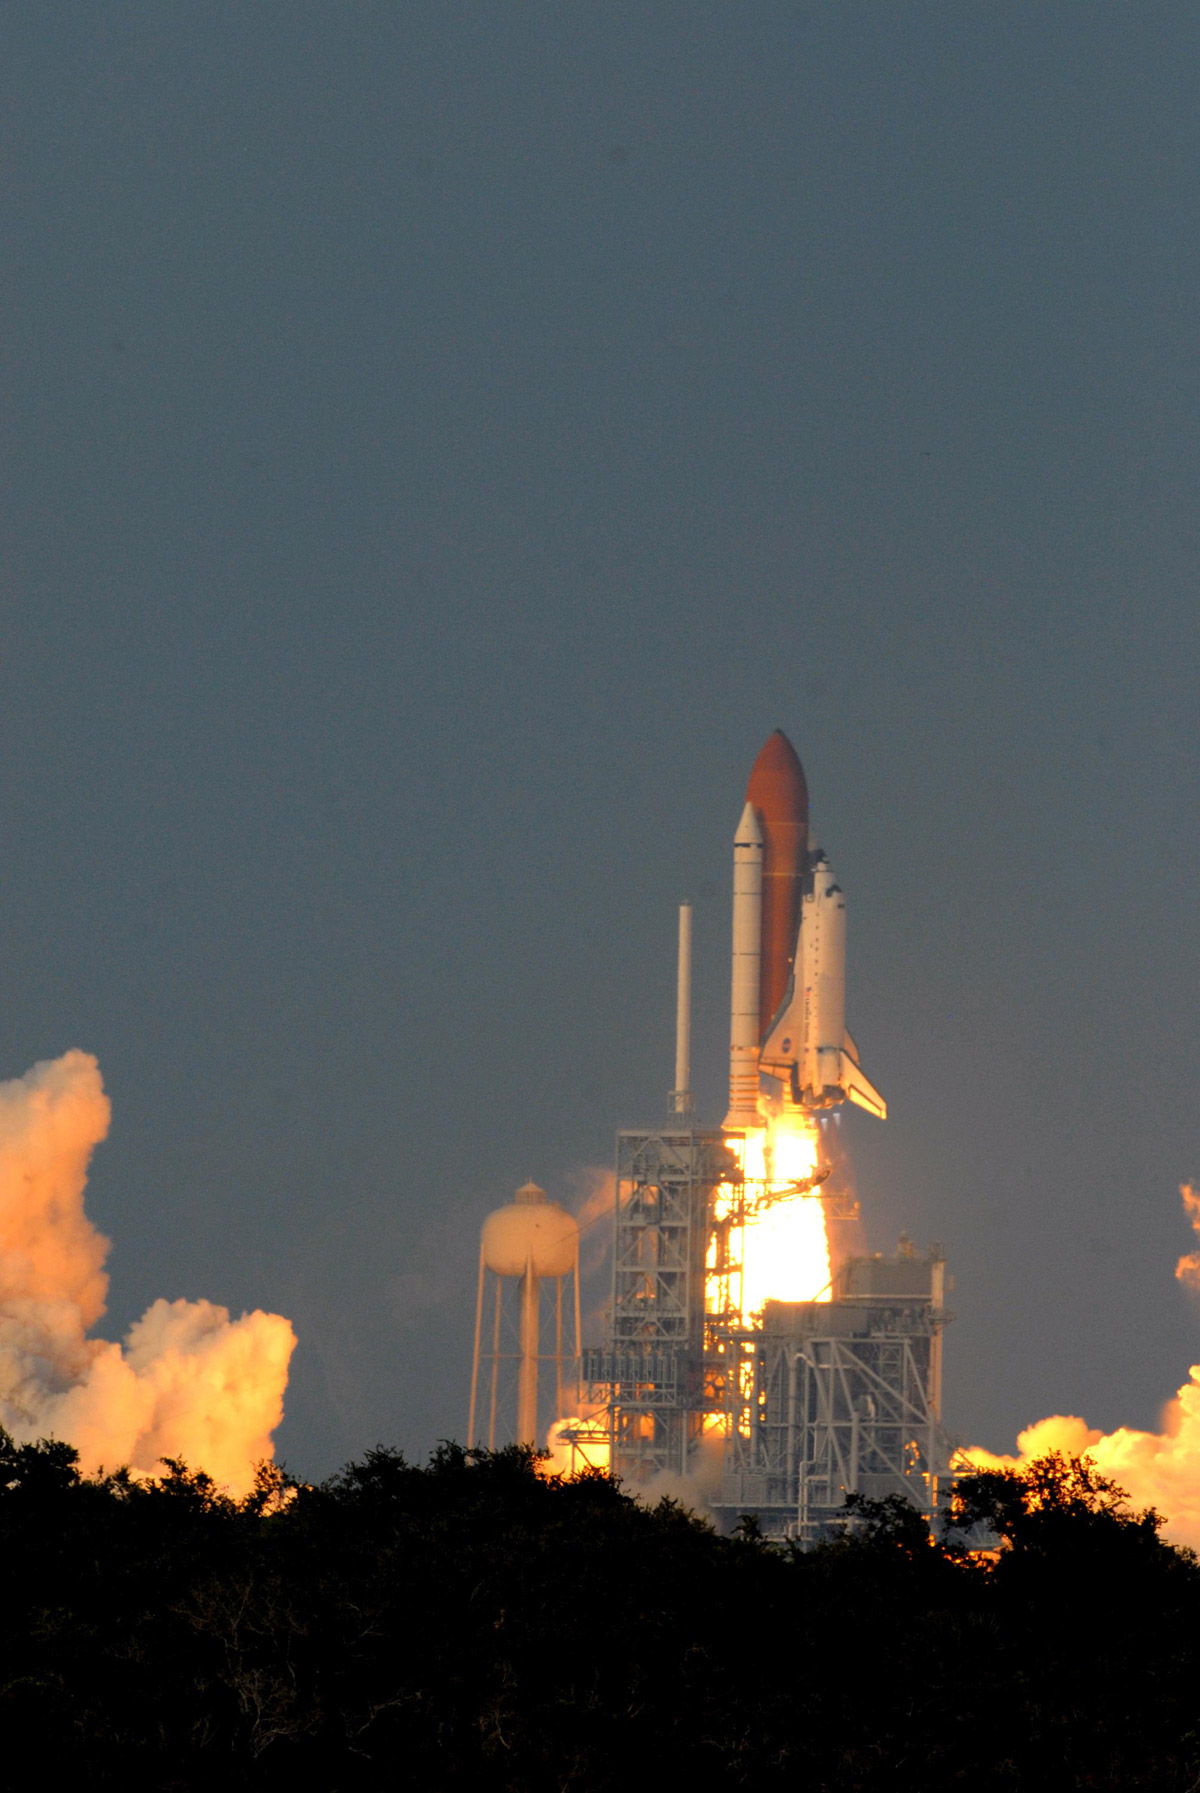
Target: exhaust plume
(1157, 1469)
(1188, 1267)
(189, 1382)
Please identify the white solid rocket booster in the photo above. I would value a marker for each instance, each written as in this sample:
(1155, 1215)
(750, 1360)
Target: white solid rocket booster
(747, 942)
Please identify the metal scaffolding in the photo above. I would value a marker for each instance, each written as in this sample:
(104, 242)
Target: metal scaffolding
(653, 1379)
(838, 1397)
(814, 1400)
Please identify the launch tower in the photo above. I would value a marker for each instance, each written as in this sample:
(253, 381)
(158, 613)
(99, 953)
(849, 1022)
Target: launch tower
(654, 1381)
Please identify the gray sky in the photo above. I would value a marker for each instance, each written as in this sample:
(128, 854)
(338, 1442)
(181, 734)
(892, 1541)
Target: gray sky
(442, 441)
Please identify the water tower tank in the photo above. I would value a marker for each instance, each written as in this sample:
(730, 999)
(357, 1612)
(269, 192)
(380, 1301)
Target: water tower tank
(531, 1232)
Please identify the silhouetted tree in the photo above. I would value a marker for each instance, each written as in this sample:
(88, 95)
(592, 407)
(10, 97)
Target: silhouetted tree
(471, 1623)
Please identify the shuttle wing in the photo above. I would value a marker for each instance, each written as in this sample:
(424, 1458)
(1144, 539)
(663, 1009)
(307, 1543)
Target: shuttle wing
(860, 1089)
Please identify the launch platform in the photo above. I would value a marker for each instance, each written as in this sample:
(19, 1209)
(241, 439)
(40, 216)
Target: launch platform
(816, 1400)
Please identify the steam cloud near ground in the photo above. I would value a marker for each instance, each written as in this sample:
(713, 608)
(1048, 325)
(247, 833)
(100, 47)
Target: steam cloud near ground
(188, 1382)
(1158, 1469)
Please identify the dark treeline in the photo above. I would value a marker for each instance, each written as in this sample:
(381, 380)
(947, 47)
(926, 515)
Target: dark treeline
(471, 1624)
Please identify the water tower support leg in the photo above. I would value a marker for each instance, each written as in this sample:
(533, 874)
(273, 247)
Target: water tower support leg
(475, 1357)
(527, 1387)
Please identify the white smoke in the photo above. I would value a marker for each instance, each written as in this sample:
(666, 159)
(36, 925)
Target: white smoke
(1157, 1469)
(189, 1381)
(1188, 1267)
(700, 1488)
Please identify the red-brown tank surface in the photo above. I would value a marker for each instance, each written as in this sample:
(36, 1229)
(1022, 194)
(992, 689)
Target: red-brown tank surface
(779, 794)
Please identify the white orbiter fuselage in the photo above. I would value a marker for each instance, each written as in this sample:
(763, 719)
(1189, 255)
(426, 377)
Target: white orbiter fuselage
(808, 1047)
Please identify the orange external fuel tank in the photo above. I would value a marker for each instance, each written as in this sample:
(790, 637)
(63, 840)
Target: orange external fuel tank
(780, 796)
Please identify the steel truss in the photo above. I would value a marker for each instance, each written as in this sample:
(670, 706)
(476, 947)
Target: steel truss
(838, 1397)
(651, 1379)
(815, 1400)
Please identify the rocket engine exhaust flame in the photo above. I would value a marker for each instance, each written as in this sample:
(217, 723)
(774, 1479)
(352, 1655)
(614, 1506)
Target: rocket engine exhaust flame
(771, 1243)
(189, 1382)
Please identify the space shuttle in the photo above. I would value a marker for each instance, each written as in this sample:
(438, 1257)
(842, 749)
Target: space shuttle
(788, 1010)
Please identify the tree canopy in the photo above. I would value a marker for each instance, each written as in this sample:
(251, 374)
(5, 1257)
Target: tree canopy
(470, 1622)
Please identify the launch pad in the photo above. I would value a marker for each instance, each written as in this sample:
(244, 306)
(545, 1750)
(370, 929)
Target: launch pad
(815, 1400)
(838, 1397)
(750, 1364)
(714, 1371)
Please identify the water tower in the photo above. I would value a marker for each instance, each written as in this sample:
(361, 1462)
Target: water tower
(528, 1250)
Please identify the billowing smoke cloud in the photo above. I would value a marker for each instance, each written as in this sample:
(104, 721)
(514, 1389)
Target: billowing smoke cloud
(1188, 1267)
(594, 1188)
(592, 1194)
(1157, 1469)
(189, 1381)
(701, 1487)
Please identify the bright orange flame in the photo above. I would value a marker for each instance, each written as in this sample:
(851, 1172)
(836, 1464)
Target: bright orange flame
(577, 1442)
(776, 1248)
